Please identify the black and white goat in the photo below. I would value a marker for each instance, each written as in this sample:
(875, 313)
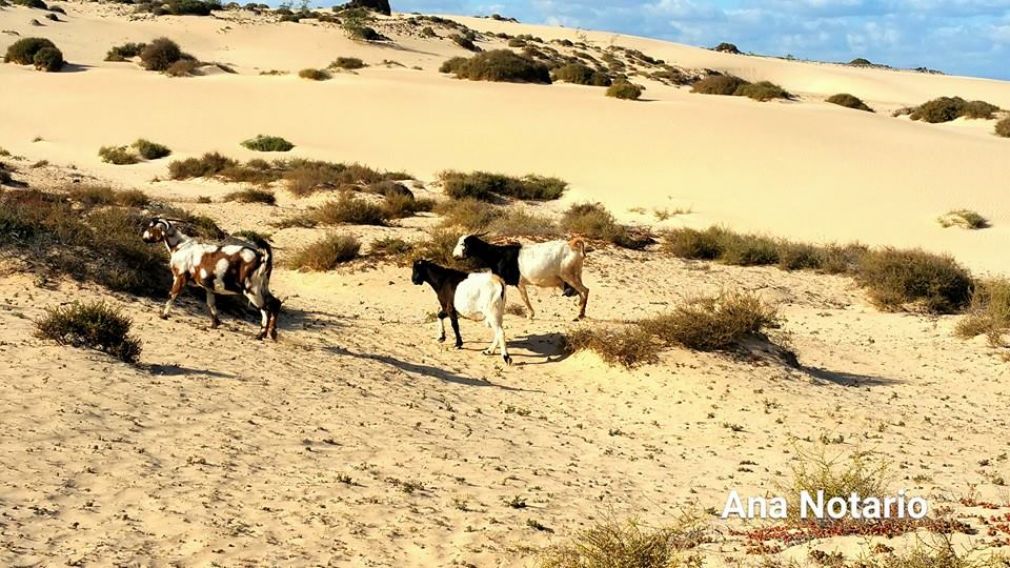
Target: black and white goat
(547, 265)
(478, 295)
(228, 269)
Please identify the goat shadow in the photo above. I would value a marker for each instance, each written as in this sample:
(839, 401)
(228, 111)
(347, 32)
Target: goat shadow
(423, 370)
(845, 379)
(181, 371)
(550, 347)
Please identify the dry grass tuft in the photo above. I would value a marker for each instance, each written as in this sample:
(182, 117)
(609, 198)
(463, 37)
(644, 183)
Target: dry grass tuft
(613, 544)
(964, 218)
(326, 253)
(989, 312)
(94, 325)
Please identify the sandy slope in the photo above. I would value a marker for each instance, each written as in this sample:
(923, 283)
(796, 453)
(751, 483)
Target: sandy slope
(357, 440)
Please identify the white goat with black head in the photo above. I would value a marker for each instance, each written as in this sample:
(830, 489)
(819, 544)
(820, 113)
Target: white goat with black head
(478, 295)
(554, 264)
(228, 269)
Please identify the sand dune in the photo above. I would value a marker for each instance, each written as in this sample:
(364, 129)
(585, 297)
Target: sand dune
(359, 441)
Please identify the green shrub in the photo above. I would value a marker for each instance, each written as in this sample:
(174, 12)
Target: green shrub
(713, 324)
(581, 74)
(849, 101)
(268, 144)
(464, 42)
(160, 54)
(895, 278)
(326, 254)
(1003, 128)
(151, 150)
(314, 74)
(23, 50)
(349, 63)
(989, 312)
(488, 186)
(624, 90)
(593, 221)
(693, 244)
(964, 218)
(350, 210)
(946, 109)
(762, 91)
(252, 196)
(749, 250)
(49, 59)
(125, 51)
(118, 155)
(208, 165)
(499, 65)
(611, 544)
(91, 325)
(718, 85)
(629, 347)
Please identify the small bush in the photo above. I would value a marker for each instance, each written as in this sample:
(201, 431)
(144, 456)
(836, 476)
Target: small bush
(693, 244)
(348, 63)
(125, 51)
(964, 218)
(946, 109)
(895, 278)
(362, 33)
(713, 324)
(464, 42)
(593, 221)
(797, 256)
(400, 206)
(160, 54)
(118, 155)
(989, 312)
(132, 198)
(352, 211)
(23, 51)
(305, 177)
(210, 164)
(92, 325)
(749, 250)
(629, 347)
(762, 91)
(268, 144)
(314, 74)
(610, 544)
(48, 59)
(837, 476)
(183, 68)
(390, 246)
(252, 196)
(581, 74)
(718, 85)
(93, 196)
(860, 62)
(151, 150)
(37, 4)
(499, 65)
(725, 47)
(625, 90)
(326, 254)
(1003, 128)
(849, 101)
(488, 186)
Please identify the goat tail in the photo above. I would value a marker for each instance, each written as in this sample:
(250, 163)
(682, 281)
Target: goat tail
(263, 246)
(501, 283)
(579, 245)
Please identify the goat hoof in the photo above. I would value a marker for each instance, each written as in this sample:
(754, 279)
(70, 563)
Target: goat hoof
(488, 352)
(441, 339)
(215, 324)
(163, 316)
(261, 335)
(273, 335)
(459, 346)
(508, 360)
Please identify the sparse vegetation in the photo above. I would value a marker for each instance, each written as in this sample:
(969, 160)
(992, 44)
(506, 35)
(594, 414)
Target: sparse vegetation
(762, 91)
(466, 42)
(183, 68)
(350, 210)
(896, 278)
(348, 63)
(125, 51)
(718, 85)
(1003, 128)
(964, 218)
(581, 74)
(498, 65)
(625, 90)
(612, 544)
(946, 109)
(252, 195)
(93, 325)
(593, 221)
(118, 155)
(849, 101)
(713, 324)
(989, 312)
(860, 473)
(314, 74)
(263, 143)
(489, 187)
(24, 51)
(160, 54)
(326, 253)
(151, 150)
(629, 347)
(94, 196)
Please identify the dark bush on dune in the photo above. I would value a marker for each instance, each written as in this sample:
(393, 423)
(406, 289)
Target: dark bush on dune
(725, 47)
(380, 6)
(499, 65)
(718, 85)
(581, 74)
(1003, 128)
(160, 54)
(898, 277)
(191, 7)
(94, 325)
(314, 74)
(489, 187)
(183, 68)
(49, 59)
(762, 91)
(849, 101)
(349, 63)
(151, 150)
(263, 143)
(125, 51)
(625, 90)
(37, 4)
(860, 62)
(464, 42)
(23, 51)
(946, 109)
(210, 164)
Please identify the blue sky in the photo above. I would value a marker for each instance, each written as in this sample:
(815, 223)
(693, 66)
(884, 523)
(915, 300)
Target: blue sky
(964, 37)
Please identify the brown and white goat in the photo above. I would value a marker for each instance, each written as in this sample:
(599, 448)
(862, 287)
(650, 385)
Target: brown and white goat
(228, 269)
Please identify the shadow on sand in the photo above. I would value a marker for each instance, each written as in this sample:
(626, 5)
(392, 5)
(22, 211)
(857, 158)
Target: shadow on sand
(848, 379)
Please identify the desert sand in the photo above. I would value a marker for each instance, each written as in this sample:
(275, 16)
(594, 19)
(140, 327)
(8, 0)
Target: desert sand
(357, 439)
